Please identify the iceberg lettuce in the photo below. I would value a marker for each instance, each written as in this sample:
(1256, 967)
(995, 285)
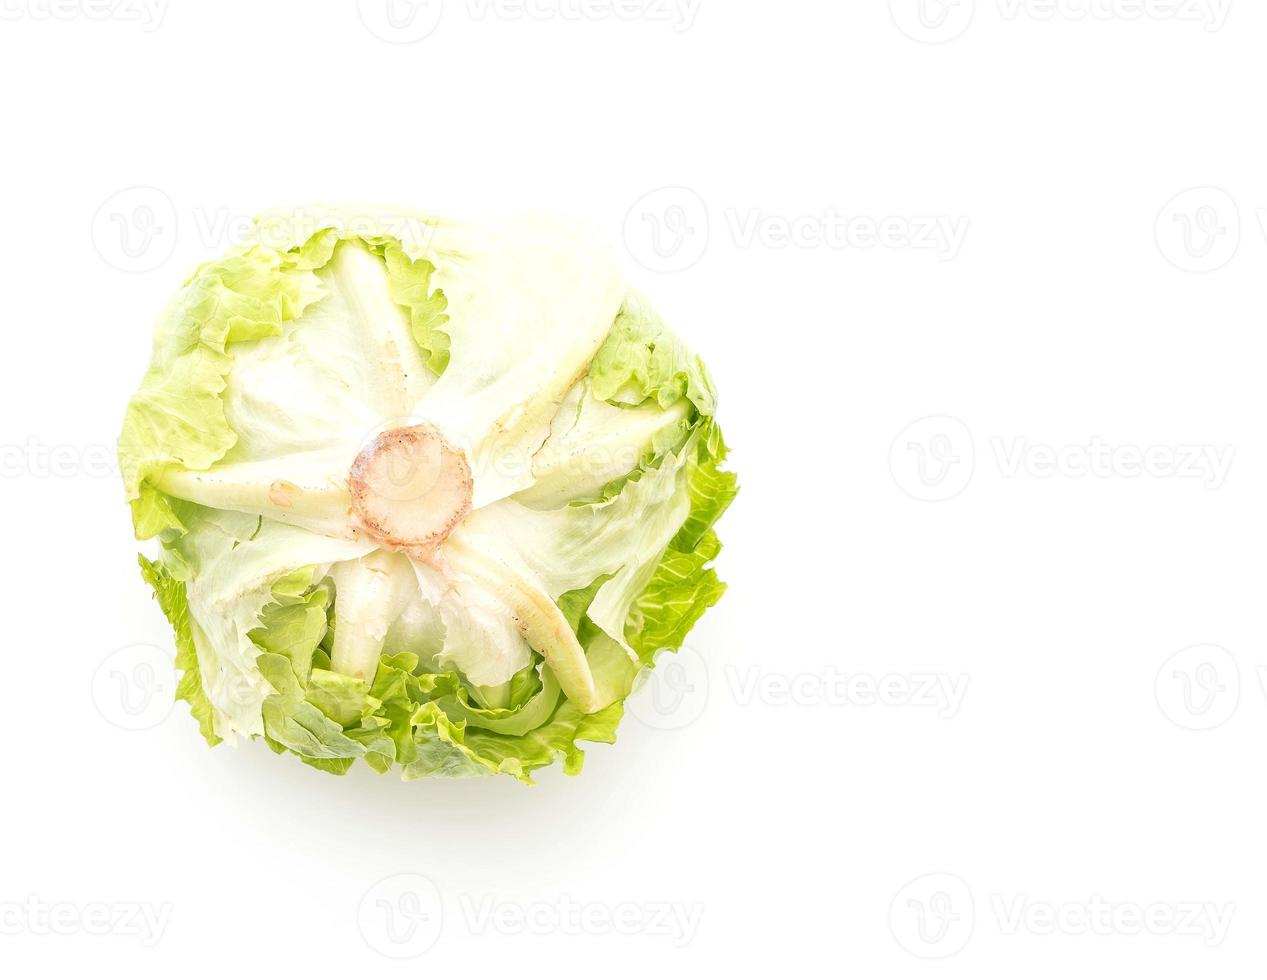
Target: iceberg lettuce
(425, 493)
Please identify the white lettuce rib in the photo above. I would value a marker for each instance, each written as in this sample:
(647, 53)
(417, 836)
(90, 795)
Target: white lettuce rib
(597, 444)
(529, 304)
(308, 490)
(535, 614)
(478, 634)
(400, 378)
(370, 594)
(569, 547)
(239, 559)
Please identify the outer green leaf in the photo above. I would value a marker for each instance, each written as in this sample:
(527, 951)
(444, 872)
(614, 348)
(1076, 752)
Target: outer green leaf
(177, 415)
(410, 282)
(294, 623)
(171, 599)
(679, 593)
(642, 359)
(711, 488)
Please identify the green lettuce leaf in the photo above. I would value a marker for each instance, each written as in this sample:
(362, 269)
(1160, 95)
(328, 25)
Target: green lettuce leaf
(170, 594)
(177, 415)
(425, 723)
(684, 585)
(410, 283)
(642, 358)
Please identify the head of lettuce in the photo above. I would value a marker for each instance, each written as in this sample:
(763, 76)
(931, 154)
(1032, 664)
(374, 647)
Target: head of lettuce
(426, 494)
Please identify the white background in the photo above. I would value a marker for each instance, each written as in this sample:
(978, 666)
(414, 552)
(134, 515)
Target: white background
(1070, 330)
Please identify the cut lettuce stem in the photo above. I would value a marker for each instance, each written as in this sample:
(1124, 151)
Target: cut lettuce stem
(402, 377)
(369, 593)
(306, 489)
(410, 487)
(537, 617)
